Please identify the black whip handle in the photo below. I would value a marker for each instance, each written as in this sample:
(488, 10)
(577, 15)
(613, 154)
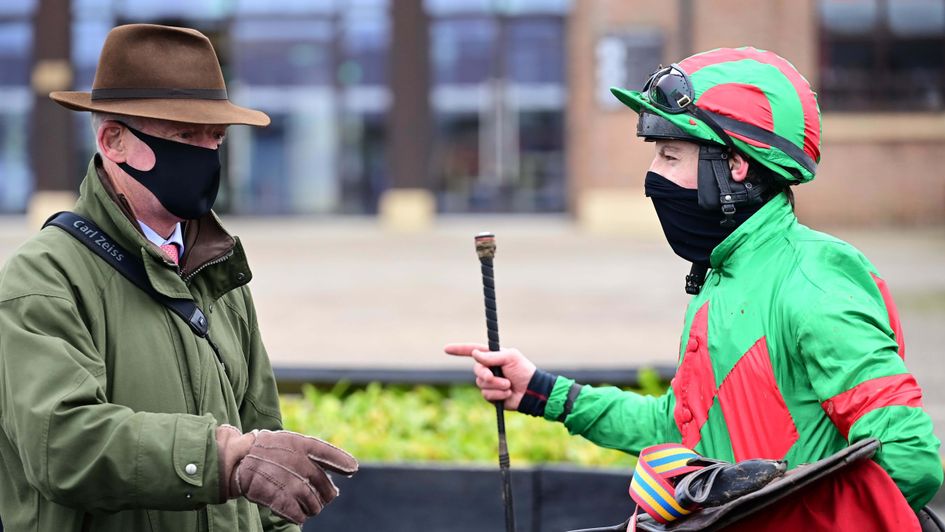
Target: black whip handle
(492, 327)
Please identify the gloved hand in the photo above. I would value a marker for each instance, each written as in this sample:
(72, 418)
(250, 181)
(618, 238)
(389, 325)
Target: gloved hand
(281, 470)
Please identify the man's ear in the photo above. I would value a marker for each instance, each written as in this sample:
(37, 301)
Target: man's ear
(111, 141)
(739, 166)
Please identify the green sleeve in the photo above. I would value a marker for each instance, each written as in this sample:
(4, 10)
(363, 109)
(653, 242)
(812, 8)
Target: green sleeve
(615, 418)
(846, 341)
(260, 407)
(909, 452)
(78, 449)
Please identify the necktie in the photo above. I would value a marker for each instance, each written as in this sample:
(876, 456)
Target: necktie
(171, 250)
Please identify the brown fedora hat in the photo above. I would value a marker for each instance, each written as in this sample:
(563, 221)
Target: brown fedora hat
(160, 72)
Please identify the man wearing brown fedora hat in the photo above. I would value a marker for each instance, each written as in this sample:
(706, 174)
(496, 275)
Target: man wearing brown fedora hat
(120, 411)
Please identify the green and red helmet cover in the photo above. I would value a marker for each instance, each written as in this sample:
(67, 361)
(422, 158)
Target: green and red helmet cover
(754, 86)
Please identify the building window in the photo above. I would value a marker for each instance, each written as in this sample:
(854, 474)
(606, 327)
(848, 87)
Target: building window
(625, 60)
(463, 49)
(498, 96)
(16, 102)
(886, 55)
(318, 68)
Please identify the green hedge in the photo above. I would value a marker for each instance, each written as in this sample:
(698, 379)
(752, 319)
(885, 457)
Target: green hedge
(454, 424)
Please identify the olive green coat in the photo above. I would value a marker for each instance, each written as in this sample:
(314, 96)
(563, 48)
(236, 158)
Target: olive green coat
(109, 402)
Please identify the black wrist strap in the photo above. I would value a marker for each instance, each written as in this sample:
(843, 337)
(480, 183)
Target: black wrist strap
(539, 389)
(131, 267)
(536, 395)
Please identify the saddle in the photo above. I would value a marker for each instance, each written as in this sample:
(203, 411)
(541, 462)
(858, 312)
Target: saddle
(731, 505)
(713, 494)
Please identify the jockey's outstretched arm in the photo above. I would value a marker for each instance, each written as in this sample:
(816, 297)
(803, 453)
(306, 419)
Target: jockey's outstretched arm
(607, 416)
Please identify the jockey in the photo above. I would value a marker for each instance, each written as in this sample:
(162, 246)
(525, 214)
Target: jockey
(792, 347)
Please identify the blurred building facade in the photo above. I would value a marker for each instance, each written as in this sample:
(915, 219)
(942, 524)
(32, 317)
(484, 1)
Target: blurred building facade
(877, 65)
(503, 103)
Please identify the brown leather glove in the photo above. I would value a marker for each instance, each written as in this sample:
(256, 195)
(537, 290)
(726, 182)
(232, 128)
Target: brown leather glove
(282, 470)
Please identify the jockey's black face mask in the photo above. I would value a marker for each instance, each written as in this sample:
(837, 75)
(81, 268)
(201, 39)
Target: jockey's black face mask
(185, 178)
(692, 232)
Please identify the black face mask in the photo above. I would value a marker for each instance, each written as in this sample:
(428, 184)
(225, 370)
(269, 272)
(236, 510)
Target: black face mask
(185, 178)
(692, 232)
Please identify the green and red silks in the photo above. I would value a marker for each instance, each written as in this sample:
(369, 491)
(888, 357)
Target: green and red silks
(792, 350)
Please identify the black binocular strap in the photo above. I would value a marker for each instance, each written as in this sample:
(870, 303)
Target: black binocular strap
(131, 267)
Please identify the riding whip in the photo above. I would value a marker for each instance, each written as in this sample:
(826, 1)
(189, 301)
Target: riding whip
(485, 248)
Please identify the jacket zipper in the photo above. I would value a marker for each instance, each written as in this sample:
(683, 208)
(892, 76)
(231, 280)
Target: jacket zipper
(203, 266)
(213, 345)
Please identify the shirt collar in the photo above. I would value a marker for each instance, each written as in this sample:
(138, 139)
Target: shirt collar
(158, 240)
(771, 220)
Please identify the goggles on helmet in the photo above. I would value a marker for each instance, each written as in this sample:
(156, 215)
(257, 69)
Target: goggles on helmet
(670, 90)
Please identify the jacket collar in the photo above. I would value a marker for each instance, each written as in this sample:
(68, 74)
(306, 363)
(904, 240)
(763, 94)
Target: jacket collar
(770, 221)
(209, 250)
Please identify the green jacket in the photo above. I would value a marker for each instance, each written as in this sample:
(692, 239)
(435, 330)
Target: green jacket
(792, 349)
(107, 397)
